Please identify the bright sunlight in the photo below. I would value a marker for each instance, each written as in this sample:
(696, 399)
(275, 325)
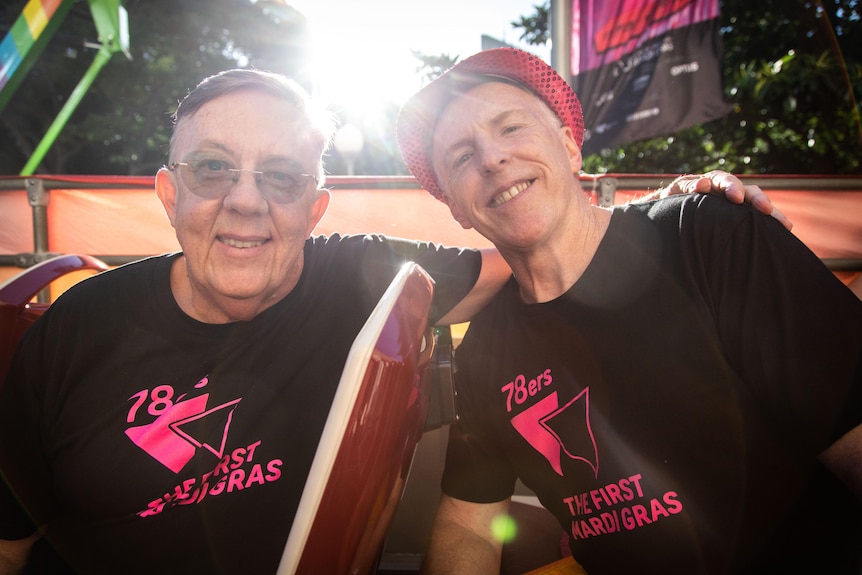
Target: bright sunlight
(362, 50)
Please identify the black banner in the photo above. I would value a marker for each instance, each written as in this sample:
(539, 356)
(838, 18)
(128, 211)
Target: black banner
(647, 68)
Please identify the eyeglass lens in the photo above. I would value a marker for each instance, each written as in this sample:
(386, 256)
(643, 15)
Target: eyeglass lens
(213, 178)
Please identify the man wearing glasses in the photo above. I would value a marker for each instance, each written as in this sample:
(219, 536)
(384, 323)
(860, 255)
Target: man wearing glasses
(162, 417)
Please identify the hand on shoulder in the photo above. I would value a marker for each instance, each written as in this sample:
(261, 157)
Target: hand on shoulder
(720, 182)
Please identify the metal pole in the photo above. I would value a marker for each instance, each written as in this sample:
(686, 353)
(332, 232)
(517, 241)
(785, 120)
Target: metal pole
(37, 197)
(561, 38)
(103, 56)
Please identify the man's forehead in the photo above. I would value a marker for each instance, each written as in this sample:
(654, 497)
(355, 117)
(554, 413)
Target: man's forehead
(488, 103)
(245, 103)
(248, 117)
(489, 99)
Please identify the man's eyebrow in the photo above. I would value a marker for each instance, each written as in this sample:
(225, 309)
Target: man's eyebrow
(504, 116)
(278, 159)
(501, 118)
(459, 143)
(209, 145)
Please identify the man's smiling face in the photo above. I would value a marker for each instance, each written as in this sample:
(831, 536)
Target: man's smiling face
(242, 246)
(505, 163)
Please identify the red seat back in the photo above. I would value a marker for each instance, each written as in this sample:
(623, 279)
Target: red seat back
(18, 312)
(367, 445)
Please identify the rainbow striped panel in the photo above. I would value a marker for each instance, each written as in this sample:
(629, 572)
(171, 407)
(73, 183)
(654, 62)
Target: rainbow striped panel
(23, 34)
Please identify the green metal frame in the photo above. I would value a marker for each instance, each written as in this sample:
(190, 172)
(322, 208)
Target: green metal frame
(111, 21)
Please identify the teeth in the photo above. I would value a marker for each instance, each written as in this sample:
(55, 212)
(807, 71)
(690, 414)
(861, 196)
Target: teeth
(509, 194)
(240, 244)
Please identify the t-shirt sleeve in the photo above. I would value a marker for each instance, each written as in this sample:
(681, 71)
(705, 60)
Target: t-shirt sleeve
(454, 270)
(477, 468)
(789, 326)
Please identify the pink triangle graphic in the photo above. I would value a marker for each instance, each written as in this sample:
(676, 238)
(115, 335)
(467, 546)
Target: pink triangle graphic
(160, 442)
(579, 432)
(176, 427)
(528, 424)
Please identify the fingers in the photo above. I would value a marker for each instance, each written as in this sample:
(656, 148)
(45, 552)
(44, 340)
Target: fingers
(736, 192)
(778, 215)
(757, 198)
(686, 184)
(761, 202)
(715, 181)
(730, 185)
(725, 183)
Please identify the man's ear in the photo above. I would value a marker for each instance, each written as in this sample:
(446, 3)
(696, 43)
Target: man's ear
(574, 151)
(166, 190)
(318, 208)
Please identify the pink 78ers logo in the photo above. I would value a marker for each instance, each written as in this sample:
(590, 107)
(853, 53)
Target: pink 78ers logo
(179, 430)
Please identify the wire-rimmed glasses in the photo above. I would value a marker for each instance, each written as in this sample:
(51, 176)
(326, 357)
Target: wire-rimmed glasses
(213, 178)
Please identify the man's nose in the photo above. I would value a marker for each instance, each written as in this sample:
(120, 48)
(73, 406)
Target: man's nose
(493, 157)
(245, 194)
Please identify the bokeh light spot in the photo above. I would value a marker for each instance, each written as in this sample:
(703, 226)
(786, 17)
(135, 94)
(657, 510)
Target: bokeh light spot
(504, 528)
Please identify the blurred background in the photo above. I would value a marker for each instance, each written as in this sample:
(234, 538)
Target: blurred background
(789, 79)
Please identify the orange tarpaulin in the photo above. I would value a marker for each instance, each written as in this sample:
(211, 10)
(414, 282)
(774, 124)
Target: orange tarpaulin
(121, 216)
(131, 221)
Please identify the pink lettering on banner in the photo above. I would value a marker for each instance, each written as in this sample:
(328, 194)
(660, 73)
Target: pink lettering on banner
(632, 21)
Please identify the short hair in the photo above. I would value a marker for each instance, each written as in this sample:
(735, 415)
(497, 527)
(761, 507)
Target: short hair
(321, 121)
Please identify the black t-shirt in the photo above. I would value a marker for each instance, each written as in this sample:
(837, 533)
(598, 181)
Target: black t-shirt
(149, 442)
(669, 408)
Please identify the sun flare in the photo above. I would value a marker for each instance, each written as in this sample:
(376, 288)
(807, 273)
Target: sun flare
(360, 67)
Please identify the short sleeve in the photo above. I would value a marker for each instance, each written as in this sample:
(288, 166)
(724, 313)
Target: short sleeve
(454, 270)
(477, 468)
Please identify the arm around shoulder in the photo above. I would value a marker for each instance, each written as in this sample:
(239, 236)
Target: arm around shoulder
(462, 538)
(844, 459)
(494, 274)
(726, 184)
(14, 554)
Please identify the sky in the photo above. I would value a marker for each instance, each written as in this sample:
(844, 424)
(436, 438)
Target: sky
(363, 47)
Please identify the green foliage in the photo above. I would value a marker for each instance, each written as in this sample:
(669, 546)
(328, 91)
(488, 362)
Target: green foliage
(122, 125)
(793, 71)
(432, 66)
(537, 26)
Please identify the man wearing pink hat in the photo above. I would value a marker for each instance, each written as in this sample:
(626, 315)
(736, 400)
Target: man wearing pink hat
(249, 326)
(678, 381)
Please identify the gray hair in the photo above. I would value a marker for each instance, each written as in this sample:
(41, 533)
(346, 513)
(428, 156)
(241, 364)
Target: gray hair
(321, 121)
